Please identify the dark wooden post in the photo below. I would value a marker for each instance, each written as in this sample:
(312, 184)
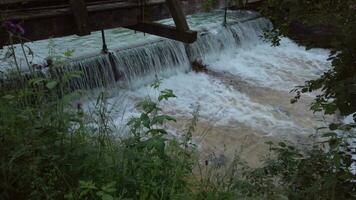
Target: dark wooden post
(80, 12)
(176, 11)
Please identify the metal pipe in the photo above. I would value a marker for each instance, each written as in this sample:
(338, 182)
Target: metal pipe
(105, 47)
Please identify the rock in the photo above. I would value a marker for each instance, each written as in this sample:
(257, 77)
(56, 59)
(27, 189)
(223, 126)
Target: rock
(198, 65)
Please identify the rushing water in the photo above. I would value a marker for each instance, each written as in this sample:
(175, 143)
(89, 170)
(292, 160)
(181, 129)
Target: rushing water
(246, 88)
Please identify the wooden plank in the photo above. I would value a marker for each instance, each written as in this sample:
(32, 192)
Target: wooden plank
(166, 31)
(44, 12)
(176, 11)
(48, 19)
(81, 16)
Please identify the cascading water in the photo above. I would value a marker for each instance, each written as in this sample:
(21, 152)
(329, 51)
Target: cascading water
(220, 39)
(135, 66)
(139, 65)
(244, 92)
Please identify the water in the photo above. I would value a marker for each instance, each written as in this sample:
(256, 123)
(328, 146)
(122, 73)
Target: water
(245, 91)
(247, 85)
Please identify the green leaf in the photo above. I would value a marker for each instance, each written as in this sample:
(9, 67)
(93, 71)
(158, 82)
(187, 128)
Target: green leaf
(72, 75)
(330, 134)
(51, 85)
(166, 94)
(109, 188)
(36, 81)
(157, 143)
(8, 97)
(161, 118)
(282, 144)
(145, 120)
(87, 185)
(334, 126)
(156, 84)
(156, 131)
(107, 197)
(148, 106)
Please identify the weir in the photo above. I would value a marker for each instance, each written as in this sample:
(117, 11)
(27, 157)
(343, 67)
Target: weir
(139, 63)
(143, 63)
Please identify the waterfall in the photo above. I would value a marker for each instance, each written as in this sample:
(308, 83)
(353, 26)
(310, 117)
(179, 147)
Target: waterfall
(140, 64)
(162, 58)
(224, 38)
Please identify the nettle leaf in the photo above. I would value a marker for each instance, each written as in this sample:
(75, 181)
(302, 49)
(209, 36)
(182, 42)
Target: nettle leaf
(36, 81)
(51, 85)
(8, 97)
(330, 134)
(157, 143)
(109, 188)
(145, 120)
(148, 106)
(166, 94)
(69, 52)
(282, 144)
(73, 75)
(161, 118)
(156, 84)
(334, 126)
(87, 185)
(107, 197)
(134, 123)
(156, 132)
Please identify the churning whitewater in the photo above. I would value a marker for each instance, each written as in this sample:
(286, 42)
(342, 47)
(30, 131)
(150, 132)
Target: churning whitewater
(246, 86)
(247, 83)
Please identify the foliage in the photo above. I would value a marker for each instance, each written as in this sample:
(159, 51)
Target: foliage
(320, 173)
(52, 149)
(337, 85)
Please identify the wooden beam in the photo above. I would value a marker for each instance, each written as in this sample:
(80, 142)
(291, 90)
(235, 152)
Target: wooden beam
(51, 22)
(165, 31)
(178, 16)
(80, 13)
(43, 19)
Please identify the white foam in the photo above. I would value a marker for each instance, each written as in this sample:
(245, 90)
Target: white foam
(281, 67)
(219, 104)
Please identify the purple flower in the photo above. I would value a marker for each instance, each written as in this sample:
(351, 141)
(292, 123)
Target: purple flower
(9, 25)
(206, 162)
(79, 105)
(20, 29)
(13, 27)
